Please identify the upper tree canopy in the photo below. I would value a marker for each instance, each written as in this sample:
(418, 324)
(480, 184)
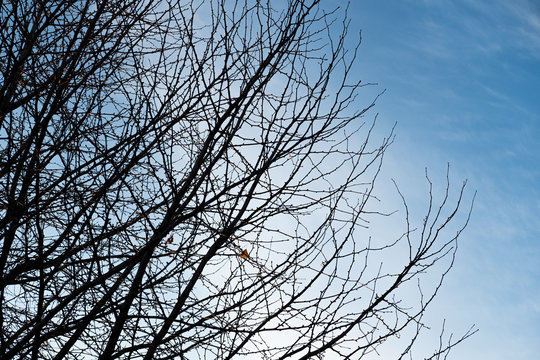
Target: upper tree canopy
(191, 180)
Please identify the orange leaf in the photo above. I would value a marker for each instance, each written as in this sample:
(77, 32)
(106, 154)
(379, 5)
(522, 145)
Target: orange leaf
(244, 254)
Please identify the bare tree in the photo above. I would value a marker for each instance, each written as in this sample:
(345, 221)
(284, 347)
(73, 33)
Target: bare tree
(192, 180)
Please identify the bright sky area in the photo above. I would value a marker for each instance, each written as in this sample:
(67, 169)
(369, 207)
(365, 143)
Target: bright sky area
(462, 81)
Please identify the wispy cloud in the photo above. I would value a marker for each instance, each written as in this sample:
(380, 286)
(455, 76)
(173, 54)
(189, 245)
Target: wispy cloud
(527, 26)
(506, 24)
(463, 83)
(453, 29)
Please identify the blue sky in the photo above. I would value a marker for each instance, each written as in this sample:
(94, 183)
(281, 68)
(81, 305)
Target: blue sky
(462, 81)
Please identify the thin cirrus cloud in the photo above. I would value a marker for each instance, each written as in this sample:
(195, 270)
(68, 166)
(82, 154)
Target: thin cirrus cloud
(462, 81)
